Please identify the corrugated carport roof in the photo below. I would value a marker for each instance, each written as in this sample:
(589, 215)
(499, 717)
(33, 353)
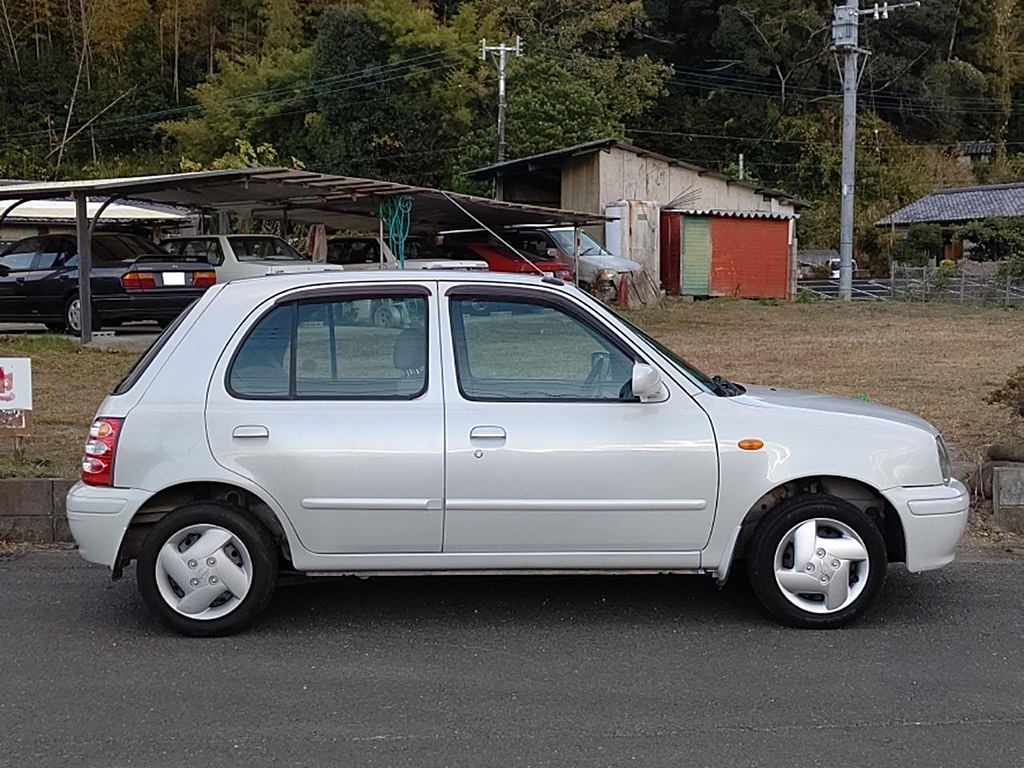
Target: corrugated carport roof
(341, 202)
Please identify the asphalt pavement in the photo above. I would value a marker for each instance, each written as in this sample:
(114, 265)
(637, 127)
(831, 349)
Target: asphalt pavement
(514, 671)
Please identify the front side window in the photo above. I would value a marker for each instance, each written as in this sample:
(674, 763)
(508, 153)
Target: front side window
(363, 348)
(527, 350)
(21, 255)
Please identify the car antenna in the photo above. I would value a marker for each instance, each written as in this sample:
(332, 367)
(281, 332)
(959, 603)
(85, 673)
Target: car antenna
(501, 240)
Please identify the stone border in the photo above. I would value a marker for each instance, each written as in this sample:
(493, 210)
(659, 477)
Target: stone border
(32, 510)
(1008, 498)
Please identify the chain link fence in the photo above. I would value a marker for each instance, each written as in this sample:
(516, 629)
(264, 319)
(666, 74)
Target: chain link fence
(968, 281)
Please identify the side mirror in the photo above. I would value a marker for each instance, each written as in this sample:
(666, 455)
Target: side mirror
(552, 253)
(647, 384)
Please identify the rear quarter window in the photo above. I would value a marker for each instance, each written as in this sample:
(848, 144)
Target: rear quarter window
(135, 372)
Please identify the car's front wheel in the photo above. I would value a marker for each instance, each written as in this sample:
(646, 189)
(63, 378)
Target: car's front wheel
(816, 562)
(207, 569)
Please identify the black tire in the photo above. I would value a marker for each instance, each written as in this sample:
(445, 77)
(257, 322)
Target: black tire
(844, 563)
(247, 553)
(56, 327)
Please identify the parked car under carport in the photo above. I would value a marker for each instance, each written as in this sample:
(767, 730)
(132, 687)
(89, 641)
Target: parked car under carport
(131, 280)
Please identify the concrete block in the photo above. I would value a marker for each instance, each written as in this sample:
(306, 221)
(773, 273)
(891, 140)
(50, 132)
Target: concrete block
(61, 531)
(1008, 498)
(26, 497)
(31, 529)
(60, 494)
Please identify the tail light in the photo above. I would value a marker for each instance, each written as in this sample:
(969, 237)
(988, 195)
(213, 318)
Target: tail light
(138, 281)
(564, 274)
(98, 462)
(203, 279)
(144, 281)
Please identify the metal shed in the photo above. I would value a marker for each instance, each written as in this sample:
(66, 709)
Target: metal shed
(728, 253)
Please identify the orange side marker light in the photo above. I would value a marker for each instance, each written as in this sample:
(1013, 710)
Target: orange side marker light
(751, 444)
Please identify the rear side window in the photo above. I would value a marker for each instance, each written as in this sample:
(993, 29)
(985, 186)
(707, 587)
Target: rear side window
(122, 247)
(200, 250)
(263, 248)
(366, 347)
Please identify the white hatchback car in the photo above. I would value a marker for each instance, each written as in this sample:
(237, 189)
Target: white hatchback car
(269, 428)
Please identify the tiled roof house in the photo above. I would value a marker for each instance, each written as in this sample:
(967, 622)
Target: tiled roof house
(961, 205)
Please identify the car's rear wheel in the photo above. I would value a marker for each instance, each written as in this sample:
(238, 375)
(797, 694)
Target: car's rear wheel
(817, 562)
(73, 316)
(207, 569)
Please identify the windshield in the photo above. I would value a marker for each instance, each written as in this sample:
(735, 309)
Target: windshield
(588, 245)
(263, 248)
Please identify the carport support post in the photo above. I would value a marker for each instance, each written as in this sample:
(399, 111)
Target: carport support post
(84, 267)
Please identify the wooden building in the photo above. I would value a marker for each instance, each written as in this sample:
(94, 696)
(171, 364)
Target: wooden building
(717, 236)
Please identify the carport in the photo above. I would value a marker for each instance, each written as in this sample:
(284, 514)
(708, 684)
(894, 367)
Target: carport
(284, 194)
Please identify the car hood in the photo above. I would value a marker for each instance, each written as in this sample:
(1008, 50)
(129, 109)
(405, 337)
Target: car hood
(771, 397)
(592, 263)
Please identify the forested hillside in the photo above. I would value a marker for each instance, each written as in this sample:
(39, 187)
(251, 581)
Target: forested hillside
(396, 89)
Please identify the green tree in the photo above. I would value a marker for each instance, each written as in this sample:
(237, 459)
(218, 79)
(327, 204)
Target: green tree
(996, 239)
(920, 246)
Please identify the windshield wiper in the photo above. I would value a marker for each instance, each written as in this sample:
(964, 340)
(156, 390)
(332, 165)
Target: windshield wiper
(726, 388)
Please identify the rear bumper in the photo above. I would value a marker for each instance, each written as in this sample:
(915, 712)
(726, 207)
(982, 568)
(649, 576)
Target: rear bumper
(99, 517)
(934, 520)
(145, 306)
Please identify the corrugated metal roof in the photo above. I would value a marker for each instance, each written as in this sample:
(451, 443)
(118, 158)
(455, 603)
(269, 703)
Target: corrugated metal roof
(557, 156)
(733, 214)
(63, 211)
(949, 206)
(341, 202)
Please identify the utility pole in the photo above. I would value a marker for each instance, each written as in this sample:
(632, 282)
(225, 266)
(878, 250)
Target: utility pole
(845, 36)
(502, 52)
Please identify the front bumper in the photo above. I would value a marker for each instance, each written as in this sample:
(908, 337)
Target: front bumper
(98, 518)
(934, 520)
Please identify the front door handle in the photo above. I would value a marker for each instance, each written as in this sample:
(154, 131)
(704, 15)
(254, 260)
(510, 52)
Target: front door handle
(487, 433)
(250, 430)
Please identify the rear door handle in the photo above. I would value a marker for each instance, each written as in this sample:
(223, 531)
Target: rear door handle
(251, 430)
(487, 433)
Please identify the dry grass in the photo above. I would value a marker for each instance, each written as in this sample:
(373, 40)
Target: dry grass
(68, 383)
(935, 360)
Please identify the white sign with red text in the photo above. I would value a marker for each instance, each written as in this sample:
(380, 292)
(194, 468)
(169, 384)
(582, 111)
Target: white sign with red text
(15, 384)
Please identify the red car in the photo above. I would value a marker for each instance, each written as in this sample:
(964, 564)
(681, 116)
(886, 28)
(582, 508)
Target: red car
(501, 258)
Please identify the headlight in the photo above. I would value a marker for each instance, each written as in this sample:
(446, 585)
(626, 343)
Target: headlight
(606, 277)
(944, 463)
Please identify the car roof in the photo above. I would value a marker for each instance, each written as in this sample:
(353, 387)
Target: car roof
(279, 283)
(211, 237)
